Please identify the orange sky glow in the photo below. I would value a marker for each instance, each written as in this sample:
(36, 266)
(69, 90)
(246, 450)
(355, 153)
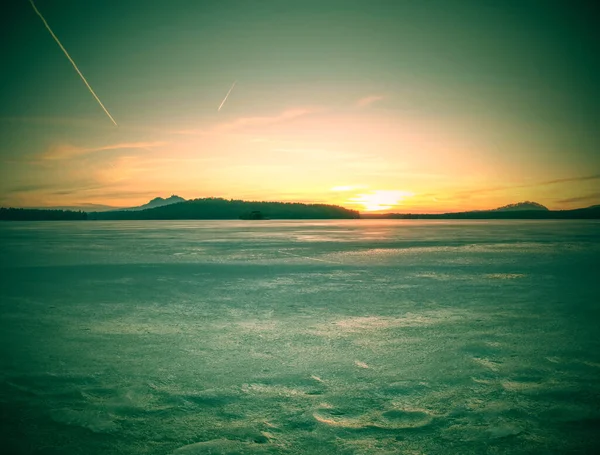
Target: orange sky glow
(395, 108)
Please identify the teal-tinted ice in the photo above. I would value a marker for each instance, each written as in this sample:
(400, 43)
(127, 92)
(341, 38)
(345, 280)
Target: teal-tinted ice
(329, 337)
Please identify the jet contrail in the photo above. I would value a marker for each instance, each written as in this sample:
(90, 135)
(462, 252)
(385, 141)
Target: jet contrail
(72, 62)
(223, 102)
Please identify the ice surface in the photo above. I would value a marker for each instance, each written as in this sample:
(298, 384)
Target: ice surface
(310, 337)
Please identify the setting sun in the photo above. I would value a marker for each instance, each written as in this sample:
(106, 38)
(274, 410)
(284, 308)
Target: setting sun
(380, 199)
(307, 108)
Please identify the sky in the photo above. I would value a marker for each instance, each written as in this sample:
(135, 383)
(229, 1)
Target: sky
(397, 106)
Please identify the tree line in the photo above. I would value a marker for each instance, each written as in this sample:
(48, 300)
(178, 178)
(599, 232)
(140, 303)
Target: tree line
(223, 209)
(15, 214)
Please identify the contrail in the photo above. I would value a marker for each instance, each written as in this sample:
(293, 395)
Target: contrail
(72, 62)
(223, 102)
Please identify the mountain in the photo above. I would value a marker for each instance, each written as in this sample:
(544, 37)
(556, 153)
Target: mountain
(158, 202)
(78, 208)
(223, 209)
(526, 205)
(520, 211)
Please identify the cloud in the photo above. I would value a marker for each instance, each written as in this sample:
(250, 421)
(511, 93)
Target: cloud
(587, 197)
(61, 121)
(468, 193)
(322, 154)
(348, 187)
(66, 151)
(56, 187)
(368, 100)
(84, 123)
(244, 122)
(572, 179)
(29, 188)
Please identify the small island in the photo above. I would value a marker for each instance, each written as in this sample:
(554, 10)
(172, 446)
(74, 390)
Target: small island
(254, 215)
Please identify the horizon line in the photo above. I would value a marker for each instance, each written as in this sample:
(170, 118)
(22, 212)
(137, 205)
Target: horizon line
(88, 207)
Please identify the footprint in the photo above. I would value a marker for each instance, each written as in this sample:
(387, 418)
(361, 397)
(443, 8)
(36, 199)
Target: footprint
(222, 447)
(392, 419)
(405, 418)
(339, 417)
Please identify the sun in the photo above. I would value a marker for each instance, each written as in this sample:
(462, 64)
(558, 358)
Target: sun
(380, 199)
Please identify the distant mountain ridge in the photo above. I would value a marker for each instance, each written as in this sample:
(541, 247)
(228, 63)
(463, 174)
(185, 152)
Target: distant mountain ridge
(158, 202)
(77, 208)
(88, 207)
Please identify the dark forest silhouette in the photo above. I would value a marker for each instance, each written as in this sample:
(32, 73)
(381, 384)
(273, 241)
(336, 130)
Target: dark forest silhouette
(224, 209)
(15, 214)
(496, 214)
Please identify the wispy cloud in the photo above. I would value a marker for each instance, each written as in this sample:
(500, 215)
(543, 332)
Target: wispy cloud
(244, 122)
(84, 122)
(320, 153)
(368, 100)
(348, 187)
(469, 193)
(55, 120)
(593, 197)
(572, 179)
(67, 151)
(72, 186)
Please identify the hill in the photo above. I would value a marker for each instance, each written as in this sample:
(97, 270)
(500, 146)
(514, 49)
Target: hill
(222, 209)
(158, 202)
(520, 211)
(519, 206)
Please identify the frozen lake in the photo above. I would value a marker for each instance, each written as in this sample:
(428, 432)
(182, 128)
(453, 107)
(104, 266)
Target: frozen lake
(328, 337)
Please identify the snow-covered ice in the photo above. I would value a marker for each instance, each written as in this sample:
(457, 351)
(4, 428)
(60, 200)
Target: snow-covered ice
(300, 337)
